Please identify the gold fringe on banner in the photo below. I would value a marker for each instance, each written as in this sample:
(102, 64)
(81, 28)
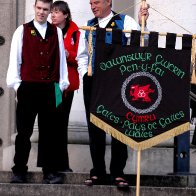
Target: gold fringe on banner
(193, 77)
(139, 145)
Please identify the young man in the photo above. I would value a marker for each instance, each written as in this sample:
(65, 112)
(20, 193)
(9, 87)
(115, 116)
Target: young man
(104, 18)
(38, 73)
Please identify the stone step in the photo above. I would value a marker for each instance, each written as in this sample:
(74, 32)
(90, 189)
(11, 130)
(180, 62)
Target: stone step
(157, 185)
(169, 180)
(82, 190)
(157, 160)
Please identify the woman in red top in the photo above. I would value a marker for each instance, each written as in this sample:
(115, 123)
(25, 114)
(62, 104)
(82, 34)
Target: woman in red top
(61, 17)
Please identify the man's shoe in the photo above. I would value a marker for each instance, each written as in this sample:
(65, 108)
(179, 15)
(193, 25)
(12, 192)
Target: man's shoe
(67, 170)
(121, 183)
(53, 178)
(18, 178)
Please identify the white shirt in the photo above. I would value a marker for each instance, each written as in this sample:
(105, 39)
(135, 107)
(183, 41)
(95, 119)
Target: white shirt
(13, 75)
(82, 55)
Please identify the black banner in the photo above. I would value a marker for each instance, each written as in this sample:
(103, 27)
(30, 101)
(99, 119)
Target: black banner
(141, 94)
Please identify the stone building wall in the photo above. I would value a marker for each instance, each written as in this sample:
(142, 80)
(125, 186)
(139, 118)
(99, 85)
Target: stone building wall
(9, 9)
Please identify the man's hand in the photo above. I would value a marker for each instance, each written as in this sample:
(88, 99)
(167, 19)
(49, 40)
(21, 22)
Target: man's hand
(143, 12)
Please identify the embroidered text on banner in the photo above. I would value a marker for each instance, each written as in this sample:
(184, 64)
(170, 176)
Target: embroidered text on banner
(141, 94)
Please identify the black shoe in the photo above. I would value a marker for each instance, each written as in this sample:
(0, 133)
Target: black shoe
(121, 183)
(95, 180)
(67, 170)
(53, 178)
(18, 178)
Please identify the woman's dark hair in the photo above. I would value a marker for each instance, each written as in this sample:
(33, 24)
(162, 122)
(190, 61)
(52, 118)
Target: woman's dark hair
(63, 7)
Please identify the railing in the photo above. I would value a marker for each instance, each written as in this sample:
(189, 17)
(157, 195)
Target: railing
(182, 153)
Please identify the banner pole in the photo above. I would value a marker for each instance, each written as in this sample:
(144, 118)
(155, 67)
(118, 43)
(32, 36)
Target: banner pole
(139, 151)
(138, 172)
(143, 23)
(87, 28)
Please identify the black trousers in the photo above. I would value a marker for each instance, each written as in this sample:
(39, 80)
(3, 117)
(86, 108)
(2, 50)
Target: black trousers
(97, 139)
(64, 118)
(38, 99)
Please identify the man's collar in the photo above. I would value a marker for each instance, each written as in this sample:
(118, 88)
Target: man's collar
(107, 18)
(38, 25)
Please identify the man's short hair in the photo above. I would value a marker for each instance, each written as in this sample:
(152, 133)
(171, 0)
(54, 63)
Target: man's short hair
(110, 3)
(45, 1)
